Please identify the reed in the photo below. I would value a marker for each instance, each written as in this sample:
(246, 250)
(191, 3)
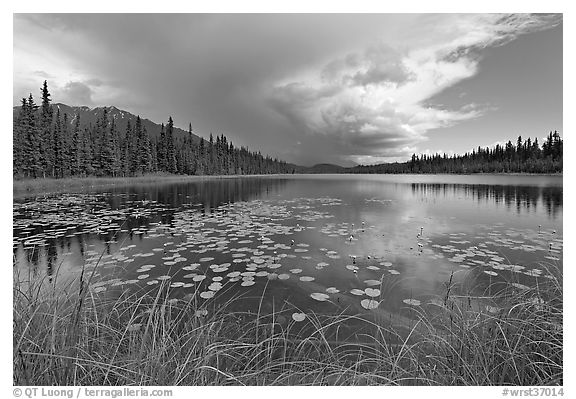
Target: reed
(64, 334)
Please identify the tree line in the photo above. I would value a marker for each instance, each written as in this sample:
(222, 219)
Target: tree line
(49, 144)
(526, 156)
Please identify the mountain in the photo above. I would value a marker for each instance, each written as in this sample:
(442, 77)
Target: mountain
(88, 116)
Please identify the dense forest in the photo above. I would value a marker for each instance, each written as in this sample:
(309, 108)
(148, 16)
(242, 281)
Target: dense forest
(526, 156)
(48, 144)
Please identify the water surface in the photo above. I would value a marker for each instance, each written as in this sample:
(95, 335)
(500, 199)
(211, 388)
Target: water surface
(375, 245)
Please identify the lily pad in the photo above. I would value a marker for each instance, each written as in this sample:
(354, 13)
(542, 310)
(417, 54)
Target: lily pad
(298, 317)
(369, 304)
(319, 296)
(215, 286)
(207, 294)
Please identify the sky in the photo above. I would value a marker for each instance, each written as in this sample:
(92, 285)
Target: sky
(308, 88)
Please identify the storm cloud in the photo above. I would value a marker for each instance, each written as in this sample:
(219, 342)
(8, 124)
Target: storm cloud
(373, 103)
(306, 88)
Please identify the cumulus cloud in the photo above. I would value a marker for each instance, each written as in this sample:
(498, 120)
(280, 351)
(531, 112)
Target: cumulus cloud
(373, 104)
(76, 93)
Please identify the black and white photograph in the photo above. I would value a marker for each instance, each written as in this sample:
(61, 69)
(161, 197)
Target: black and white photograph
(287, 199)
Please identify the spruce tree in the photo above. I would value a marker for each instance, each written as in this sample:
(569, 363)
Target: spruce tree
(116, 164)
(170, 151)
(161, 150)
(104, 151)
(89, 153)
(76, 151)
(32, 142)
(126, 150)
(154, 156)
(143, 155)
(57, 155)
(46, 144)
(211, 156)
(201, 158)
(66, 142)
(19, 140)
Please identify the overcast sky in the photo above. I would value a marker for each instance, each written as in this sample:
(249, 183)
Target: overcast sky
(308, 88)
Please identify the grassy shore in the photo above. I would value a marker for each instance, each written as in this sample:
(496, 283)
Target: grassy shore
(68, 335)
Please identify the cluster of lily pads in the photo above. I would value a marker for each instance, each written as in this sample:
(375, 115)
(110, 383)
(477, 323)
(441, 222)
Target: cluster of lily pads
(37, 222)
(255, 243)
(487, 249)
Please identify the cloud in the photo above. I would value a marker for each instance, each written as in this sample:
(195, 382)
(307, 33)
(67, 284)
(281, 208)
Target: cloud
(94, 82)
(373, 104)
(76, 93)
(43, 74)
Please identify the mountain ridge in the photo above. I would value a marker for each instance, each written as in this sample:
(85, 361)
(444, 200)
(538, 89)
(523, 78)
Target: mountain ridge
(89, 116)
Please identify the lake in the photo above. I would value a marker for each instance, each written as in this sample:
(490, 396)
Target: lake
(380, 246)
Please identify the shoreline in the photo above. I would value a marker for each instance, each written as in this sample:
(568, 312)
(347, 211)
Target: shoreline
(27, 187)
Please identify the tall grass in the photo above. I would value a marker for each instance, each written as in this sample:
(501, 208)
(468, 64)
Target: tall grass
(64, 334)
(518, 342)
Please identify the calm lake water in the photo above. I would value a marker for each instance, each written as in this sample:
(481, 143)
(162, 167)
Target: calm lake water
(358, 244)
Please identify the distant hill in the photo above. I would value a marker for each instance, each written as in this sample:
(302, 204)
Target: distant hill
(88, 116)
(326, 168)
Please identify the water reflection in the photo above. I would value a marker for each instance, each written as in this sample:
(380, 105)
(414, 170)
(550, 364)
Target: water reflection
(210, 193)
(521, 198)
